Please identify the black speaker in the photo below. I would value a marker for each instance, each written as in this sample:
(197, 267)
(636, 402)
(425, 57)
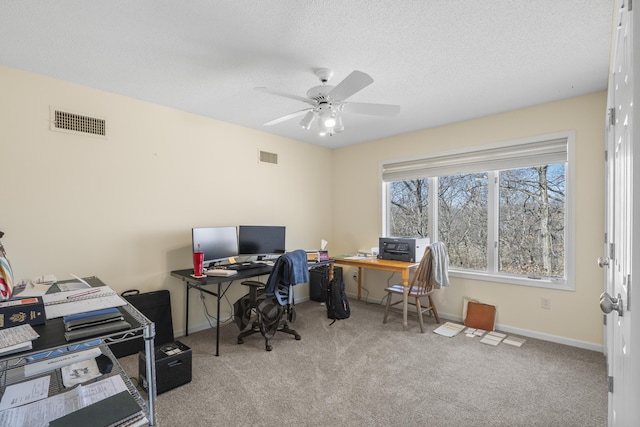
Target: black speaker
(155, 306)
(173, 366)
(319, 282)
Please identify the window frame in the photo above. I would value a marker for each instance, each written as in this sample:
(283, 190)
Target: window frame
(492, 274)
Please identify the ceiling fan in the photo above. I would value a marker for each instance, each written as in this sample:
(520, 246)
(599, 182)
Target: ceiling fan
(328, 102)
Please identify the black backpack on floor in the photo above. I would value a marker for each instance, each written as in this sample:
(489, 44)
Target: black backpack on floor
(337, 302)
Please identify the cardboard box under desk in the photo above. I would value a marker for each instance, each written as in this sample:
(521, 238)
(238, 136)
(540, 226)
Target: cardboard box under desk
(20, 311)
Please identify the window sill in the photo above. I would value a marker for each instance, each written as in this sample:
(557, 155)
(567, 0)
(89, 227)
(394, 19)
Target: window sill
(559, 284)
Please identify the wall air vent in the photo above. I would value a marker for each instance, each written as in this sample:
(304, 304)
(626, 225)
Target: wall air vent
(266, 157)
(77, 123)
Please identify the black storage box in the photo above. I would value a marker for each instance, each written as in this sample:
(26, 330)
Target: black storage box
(173, 366)
(155, 306)
(319, 282)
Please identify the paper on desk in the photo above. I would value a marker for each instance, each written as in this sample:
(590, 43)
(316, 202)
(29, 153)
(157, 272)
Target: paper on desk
(25, 392)
(17, 334)
(39, 413)
(61, 304)
(52, 363)
(34, 290)
(79, 372)
(72, 286)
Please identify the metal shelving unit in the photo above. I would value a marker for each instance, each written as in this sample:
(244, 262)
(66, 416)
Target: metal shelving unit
(52, 343)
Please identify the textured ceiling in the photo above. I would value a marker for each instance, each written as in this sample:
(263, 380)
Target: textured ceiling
(441, 61)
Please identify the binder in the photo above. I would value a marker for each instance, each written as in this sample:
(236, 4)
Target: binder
(92, 331)
(113, 410)
(92, 313)
(93, 318)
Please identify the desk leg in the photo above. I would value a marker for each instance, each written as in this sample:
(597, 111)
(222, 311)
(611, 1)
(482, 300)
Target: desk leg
(186, 319)
(218, 322)
(360, 271)
(405, 298)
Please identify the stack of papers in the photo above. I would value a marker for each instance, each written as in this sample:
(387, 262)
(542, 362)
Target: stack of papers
(449, 329)
(514, 341)
(492, 338)
(220, 272)
(17, 338)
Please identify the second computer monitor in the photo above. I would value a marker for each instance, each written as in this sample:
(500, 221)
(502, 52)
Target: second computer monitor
(261, 240)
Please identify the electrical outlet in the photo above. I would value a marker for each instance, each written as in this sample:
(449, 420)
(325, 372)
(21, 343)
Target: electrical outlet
(355, 276)
(545, 303)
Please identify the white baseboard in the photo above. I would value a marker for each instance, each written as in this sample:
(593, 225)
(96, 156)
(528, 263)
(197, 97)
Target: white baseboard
(537, 335)
(455, 318)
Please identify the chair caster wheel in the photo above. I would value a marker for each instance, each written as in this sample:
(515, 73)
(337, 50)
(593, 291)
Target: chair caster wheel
(269, 348)
(298, 337)
(240, 341)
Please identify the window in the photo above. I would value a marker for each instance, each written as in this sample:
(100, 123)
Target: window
(503, 211)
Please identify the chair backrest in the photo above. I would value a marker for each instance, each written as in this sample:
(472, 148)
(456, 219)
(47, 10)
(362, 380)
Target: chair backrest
(289, 269)
(422, 282)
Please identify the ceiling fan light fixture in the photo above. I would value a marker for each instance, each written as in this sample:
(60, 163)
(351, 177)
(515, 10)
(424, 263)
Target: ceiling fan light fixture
(330, 121)
(322, 129)
(339, 126)
(307, 120)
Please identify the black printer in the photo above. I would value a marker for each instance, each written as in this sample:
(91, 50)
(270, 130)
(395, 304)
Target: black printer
(408, 249)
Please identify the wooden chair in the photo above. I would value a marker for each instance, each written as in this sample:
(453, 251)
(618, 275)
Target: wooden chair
(422, 285)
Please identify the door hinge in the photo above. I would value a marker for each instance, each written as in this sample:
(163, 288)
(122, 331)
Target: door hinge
(612, 116)
(610, 383)
(630, 8)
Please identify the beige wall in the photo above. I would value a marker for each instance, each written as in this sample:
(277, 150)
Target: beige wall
(123, 208)
(575, 316)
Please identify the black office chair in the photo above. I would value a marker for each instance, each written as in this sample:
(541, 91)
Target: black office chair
(272, 301)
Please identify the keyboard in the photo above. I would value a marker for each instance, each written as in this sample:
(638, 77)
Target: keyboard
(241, 266)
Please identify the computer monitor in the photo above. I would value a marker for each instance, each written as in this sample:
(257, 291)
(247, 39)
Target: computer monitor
(261, 240)
(217, 243)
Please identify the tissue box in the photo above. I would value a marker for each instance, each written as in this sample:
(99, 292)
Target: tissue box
(315, 256)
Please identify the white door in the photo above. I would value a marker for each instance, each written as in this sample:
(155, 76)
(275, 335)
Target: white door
(621, 199)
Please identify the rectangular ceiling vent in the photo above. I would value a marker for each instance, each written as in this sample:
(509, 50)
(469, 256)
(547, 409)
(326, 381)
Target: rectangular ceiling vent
(63, 121)
(266, 157)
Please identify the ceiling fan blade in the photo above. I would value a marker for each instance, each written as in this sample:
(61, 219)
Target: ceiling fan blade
(287, 117)
(387, 110)
(354, 82)
(287, 95)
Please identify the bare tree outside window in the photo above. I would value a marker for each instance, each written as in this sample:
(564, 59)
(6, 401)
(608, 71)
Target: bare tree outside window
(462, 219)
(532, 211)
(409, 214)
(530, 218)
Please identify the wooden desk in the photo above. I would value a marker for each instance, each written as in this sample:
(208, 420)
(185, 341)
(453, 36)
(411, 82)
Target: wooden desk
(404, 268)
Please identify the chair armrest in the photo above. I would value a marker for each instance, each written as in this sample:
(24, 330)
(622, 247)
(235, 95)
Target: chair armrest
(253, 283)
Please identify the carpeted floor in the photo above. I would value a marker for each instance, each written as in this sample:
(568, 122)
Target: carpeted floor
(359, 372)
